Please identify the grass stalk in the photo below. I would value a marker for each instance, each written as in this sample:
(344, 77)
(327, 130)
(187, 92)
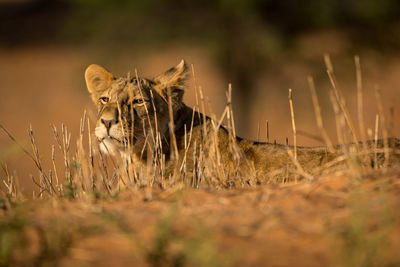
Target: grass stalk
(340, 99)
(360, 105)
(293, 124)
(376, 141)
(318, 116)
(383, 126)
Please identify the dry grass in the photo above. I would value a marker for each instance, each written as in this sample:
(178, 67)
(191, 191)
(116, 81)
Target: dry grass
(102, 195)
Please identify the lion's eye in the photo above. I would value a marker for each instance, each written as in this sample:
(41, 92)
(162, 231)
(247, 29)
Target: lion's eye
(138, 101)
(104, 100)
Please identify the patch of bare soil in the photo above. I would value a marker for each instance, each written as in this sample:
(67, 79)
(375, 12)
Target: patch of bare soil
(334, 221)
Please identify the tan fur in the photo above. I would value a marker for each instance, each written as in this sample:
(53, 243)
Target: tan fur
(135, 112)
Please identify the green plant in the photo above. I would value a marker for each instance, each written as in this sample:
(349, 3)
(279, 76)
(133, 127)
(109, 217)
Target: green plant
(12, 236)
(365, 236)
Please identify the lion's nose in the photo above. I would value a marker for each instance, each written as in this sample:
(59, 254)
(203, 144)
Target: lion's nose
(107, 123)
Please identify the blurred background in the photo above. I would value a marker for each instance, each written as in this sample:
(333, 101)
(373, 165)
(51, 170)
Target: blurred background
(261, 47)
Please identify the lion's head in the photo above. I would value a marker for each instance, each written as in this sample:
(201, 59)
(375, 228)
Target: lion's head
(133, 110)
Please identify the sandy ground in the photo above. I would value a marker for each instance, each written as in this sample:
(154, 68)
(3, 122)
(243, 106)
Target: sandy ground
(333, 221)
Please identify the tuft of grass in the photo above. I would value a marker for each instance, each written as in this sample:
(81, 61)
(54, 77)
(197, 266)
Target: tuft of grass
(88, 172)
(70, 191)
(89, 176)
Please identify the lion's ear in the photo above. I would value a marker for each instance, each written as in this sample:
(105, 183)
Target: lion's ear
(97, 79)
(173, 81)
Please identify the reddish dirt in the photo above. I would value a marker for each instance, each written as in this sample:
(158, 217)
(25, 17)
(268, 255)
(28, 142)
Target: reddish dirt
(273, 225)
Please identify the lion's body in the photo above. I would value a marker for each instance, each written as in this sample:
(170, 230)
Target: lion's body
(134, 118)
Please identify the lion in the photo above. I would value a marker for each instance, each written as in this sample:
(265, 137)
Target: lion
(140, 117)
